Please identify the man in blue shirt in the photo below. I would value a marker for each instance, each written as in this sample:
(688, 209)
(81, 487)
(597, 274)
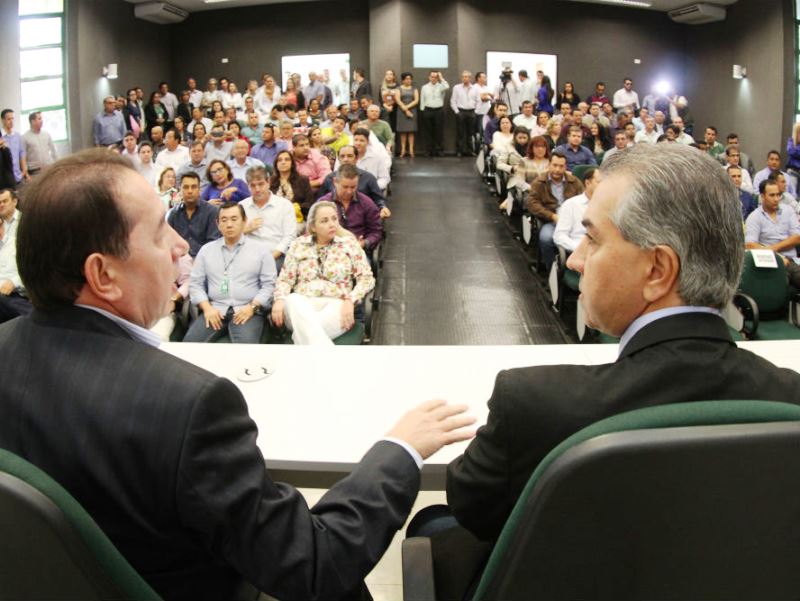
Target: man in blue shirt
(576, 153)
(15, 144)
(194, 219)
(108, 127)
(775, 227)
(269, 147)
(232, 282)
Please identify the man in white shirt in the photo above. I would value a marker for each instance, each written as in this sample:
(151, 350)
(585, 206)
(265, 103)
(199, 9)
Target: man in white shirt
(169, 100)
(648, 135)
(526, 118)
(625, 97)
(130, 149)
(39, 147)
(463, 102)
(13, 301)
(483, 100)
(431, 103)
(210, 95)
(146, 168)
(270, 218)
(683, 138)
(199, 117)
(369, 160)
(174, 155)
(195, 95)
(218, 148)
(197, 163)
(527, 88)
(267, 95)
(569, 228)
(241, 163)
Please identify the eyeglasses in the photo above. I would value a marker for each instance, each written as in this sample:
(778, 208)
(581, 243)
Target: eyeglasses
(217, 171)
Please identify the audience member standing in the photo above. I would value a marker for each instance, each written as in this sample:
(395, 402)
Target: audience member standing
(625, 97)
(108, 127)
(431, 105)
(39, 148)
(463, 101)
(407, 97)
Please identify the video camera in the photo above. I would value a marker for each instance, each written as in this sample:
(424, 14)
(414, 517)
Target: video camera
(505, 76)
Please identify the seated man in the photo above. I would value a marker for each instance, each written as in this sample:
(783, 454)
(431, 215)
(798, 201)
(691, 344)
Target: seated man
(13, 299)
(198, 117)
(197, 163)
(548, 193)
(240, 163)
(380, 128)
(649, 134)
(526, 118)
(574, 151)
(163, 454)
(661, 259)
(620, 143)
(748, 201)
(252, 129)
(336, 136)
(232, 282)
(569, 228)
(775, 227)
(357, 213)
(744, 159)
(367, 183)
(310, 162)
(194, 219)
(773, 166)
(271, 218)
(715, 149)
(218, 149)
(174, 154)
(732, 157)
(165, 326)
(369, 159)
(145, 166)
(786, 198)
(683, 137)
(269, 147)
(493, 124)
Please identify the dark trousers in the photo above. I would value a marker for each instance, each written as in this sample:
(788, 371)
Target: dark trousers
(433, 129)
(465, 129)
(13, 305)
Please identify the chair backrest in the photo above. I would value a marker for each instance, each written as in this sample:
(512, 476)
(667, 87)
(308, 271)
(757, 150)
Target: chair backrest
(51, 548)
(768, 287)
(692, 500)
(580, 170)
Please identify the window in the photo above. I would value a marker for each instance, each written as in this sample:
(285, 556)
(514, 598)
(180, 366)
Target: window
(431, 56)
(41, 62)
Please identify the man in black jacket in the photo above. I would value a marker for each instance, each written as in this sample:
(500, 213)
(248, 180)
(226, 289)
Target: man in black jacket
(163, 454)
(661, 258)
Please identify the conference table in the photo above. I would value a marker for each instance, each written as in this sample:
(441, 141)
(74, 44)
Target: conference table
(321, 409)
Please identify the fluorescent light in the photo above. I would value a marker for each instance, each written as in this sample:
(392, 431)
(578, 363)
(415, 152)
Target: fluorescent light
(663, 87)
(636, 3)
(215, 1)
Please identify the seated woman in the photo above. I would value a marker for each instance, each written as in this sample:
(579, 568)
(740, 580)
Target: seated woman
(503, 138)
(168, 188)
(537, 160)
(287, 182)
(223, 187)
(598, 141)
(324, 276)
(512, 162)
(315, 140)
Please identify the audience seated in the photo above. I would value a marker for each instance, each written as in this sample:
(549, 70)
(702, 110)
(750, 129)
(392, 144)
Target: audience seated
(269, 147)
(194, 219)
(290, 184)
(218, 148)
(569, 229)
(240, 162)
(747, 199)
(232, 282)
(146, 167)
(271, 218)
(174, 155)
(367, 183)
(511, 160)
(309, 162)
(13, 298)
(356, 211)
(548, 193)
(773, 166)
(326, 273)
(379, 127)
(167, 188)
(732, 157)
(165, 326)
(575, 152)
(223, 187)
(371, 159)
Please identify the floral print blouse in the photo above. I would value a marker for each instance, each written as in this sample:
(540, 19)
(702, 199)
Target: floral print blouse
(326, 271)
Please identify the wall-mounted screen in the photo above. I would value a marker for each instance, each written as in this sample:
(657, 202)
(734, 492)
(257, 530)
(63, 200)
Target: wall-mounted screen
(497, 61)
(430, 56)
(335, 69)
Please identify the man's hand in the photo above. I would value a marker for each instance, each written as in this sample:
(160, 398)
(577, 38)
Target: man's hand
(7, 287)
(555, 218)
(347, 315)
(385, 213)
(253, 224)
(277, 313)
(362, 242)
(432, 425)
(243, 314)
(227, 193)
(276, 254)
(213, 318)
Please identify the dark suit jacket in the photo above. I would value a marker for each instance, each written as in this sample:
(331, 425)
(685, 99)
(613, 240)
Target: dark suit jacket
(163, 455)
(681, 358)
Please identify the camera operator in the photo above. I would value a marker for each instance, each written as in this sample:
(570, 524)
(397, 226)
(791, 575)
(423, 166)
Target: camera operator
(509, 91)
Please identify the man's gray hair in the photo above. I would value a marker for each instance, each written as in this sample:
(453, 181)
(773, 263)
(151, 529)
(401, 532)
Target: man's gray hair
(256, 172)
(680, 198)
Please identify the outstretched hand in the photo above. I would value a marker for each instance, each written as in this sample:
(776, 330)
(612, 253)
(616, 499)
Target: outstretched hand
(432, 425)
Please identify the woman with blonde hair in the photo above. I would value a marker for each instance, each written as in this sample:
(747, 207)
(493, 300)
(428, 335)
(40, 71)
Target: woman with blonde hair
(168, 188)
(325, 275)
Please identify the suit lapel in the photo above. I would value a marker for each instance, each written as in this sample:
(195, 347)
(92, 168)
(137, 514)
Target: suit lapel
(676, 327)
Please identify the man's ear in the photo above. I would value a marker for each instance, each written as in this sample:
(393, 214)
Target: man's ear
(102, 273)
(663, 277)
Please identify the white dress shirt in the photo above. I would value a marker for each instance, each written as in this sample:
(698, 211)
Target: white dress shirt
(569, 230)
(623, 98)
(240, 171)
(376, 165)
(196, 98)
(279, 225)
(172, 158)
(482, 106)
(462, 98)
(432, 95)
(170, 102)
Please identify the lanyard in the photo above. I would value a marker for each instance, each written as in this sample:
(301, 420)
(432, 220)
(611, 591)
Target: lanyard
(226, 264)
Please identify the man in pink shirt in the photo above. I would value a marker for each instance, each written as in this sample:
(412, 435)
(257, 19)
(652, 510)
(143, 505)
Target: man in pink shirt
(310, 162)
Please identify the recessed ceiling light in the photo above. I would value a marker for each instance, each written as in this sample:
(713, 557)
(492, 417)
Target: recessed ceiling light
(636, 3)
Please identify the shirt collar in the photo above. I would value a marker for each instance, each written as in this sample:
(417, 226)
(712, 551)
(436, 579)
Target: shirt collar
(136, 332)
(14, 217)
(648, 318)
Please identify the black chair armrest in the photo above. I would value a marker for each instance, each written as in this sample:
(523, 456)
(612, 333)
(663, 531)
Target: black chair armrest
(418, 582)
(749, 309)
(794, 309)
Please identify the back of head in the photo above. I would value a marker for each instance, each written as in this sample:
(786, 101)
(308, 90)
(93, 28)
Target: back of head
(71, 212)
(680, 198)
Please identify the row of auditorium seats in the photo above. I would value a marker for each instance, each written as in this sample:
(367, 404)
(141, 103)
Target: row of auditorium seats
(765, 307)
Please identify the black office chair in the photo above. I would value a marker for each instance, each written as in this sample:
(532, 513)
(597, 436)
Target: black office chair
(685, 501)
(51, 548)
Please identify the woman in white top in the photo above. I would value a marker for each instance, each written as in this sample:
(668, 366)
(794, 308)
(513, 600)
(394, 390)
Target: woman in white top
(540, 129)
(503, 138)
(232, 98)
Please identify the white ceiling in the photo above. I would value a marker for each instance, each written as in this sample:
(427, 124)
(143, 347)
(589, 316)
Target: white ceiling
(197, 5)
(664, 5)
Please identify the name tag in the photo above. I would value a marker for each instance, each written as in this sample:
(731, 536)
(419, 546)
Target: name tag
(765, 259)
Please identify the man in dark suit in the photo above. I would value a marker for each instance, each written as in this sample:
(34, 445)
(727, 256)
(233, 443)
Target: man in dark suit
(662, 256)
(163, 454)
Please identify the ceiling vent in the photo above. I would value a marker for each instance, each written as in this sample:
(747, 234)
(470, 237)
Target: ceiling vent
(160, 12)
(697, 14)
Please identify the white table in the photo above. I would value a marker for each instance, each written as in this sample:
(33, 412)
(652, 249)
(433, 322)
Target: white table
(322, 409)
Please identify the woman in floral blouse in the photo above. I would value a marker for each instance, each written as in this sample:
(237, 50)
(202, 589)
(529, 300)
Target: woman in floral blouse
(324, 276)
